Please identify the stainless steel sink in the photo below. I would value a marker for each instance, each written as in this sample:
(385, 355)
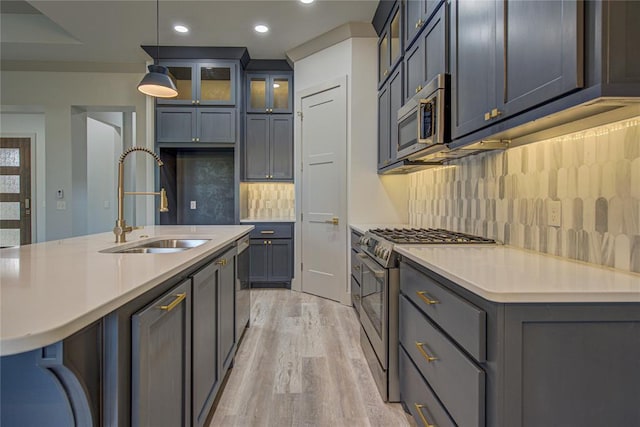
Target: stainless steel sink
(161, 246)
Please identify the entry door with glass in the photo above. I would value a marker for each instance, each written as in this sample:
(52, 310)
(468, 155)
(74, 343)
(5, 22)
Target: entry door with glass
(15, 191)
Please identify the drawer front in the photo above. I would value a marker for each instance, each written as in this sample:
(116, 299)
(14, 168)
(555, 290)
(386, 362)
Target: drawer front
(356, 266)
(355, 294)
(272, 231)
(453, 376)
(463, 321)
(418, 396)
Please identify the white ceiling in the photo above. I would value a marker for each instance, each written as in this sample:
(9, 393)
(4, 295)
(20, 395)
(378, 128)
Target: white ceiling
(114, 30)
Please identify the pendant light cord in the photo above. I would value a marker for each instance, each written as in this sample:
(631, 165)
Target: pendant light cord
(157, 31)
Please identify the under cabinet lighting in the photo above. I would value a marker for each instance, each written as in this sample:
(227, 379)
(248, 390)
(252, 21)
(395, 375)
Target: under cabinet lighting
(306, 1)
(261, 28)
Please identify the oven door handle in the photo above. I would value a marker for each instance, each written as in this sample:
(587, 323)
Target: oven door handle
(376, 272)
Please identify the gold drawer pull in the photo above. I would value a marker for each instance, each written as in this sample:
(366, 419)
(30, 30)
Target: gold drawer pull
(174, 303)
(267, 232)
(419, 408)
(424, 353)
(221, 262)
(423, 296)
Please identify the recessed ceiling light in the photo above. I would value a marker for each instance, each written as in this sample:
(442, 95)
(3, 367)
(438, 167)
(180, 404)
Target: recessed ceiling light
(261, 28)
(306, 1)
(181, 29)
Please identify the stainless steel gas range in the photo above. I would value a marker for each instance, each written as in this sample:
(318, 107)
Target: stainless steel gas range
(377, 264)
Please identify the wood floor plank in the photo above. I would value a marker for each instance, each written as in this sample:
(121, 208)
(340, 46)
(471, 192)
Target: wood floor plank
(300, 364)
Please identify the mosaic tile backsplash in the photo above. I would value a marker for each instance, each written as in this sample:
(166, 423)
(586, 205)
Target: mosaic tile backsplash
(270, 201)
(594, 174)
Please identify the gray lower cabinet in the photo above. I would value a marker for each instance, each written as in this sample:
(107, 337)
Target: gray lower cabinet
(161, 360)
(213, 331)
(215, 125)
(268, 154)
(546, 364)
(271, 254)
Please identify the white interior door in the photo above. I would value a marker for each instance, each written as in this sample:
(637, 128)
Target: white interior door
(324, 189)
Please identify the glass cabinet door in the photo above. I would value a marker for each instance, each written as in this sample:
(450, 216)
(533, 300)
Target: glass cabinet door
(258, 95)
(383, 57)
(216, 84)
(394, 35)
(183, 78)
(281, 98)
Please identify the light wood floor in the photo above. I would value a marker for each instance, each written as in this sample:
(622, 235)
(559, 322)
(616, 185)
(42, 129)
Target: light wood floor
(300, 364)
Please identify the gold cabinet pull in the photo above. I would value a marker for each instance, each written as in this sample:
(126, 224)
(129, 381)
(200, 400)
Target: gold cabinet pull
(267, 232)
(487, 116)
(419, 408)
(385, 73)
(222, 262)
(424, 354)
(495, 113)
(174, 303)
(423, 296)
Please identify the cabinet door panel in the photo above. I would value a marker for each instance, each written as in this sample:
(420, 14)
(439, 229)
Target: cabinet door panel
(217, 125)
(538, 49)
(435, 45)
(280, 261)
(473, 66)
(414, 64)
(257, 147)
(383, 127)
(205, 337)
(226, 309)
(281, 93)
(257, 93)
(175, 124)
(183, 76)
(216, 83)
(395, 102)
(258, 261)
(161, 360)
(281, 147)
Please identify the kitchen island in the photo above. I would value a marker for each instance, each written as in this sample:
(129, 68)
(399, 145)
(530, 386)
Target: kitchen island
(499, 336)
(73, 316)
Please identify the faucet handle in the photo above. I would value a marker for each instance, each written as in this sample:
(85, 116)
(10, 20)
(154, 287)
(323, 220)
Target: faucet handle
(164, 203)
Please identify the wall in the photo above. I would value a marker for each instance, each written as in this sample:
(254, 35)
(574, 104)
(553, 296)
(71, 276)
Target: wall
(267, 201)
(56, 93)
(31, 125)
(595, 174)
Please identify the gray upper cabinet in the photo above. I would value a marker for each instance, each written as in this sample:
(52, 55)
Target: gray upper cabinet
(390, 45)
(416, 16)
(539, 49)
(204, 125)
(206, 83)
(428, 57)
(268, 151)
(527, 53)
(389, 102)
(269, 92)
(161, 360)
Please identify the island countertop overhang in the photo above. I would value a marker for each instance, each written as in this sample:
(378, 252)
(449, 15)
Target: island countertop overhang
(53, 289)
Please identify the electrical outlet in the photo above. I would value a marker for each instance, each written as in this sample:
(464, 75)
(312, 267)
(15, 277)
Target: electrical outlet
(555, 213)
(192, 204)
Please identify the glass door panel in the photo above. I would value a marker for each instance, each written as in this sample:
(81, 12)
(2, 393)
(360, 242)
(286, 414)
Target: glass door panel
(383, 57)
(215, 85)
(258, 94)
(281, 94)
(15, 192)
(395, 37)
(182, 78)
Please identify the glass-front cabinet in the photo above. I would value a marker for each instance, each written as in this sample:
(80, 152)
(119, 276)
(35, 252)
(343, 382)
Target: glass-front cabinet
(210, 83)
(269, 93)
(390, 46)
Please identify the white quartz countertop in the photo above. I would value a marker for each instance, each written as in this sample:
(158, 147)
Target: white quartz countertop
(510, 275)
(363, 227)
(51, 290)
(257, 220)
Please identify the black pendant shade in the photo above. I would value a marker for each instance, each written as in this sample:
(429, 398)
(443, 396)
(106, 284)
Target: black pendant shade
(158, 83)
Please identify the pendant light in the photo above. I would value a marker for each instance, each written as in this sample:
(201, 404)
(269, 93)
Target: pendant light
(157, 82)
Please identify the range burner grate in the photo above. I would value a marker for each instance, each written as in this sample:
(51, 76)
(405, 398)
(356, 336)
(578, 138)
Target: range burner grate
(427, 236)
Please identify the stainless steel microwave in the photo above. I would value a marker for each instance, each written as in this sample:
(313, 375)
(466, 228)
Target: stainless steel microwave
(423, 122)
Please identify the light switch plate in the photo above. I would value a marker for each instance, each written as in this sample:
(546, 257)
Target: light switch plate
(554, 212)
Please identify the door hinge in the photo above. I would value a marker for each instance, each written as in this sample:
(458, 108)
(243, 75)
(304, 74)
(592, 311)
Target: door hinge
(301, 267)
(301, 217)
(300, 115)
